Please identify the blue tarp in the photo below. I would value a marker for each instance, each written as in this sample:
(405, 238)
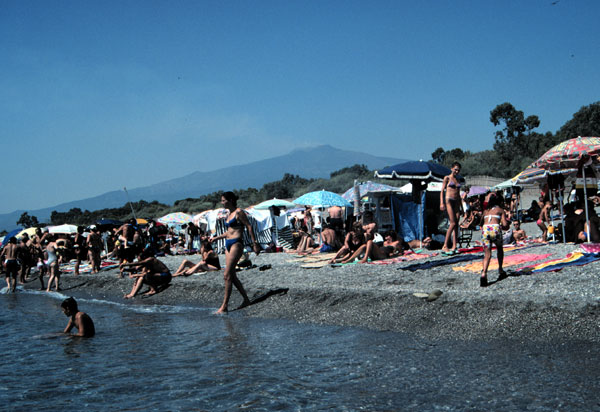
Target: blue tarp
(408, 216)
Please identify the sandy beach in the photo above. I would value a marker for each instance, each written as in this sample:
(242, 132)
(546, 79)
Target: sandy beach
(541, 306)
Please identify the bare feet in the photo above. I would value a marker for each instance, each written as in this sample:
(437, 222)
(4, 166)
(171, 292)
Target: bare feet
(129, 296)
(150, 292)
(221, 311)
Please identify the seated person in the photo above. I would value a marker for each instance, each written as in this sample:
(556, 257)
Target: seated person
(354, 239)
(519, 234)
(154, 273)
(80, 320)
(392, 246)
(329, 240)
(210, 261)
(305, 243)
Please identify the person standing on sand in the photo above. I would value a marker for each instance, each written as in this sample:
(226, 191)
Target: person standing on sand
(79, 244)
(543, 219)
(234, 247)
(80, 320)
(494, 220)
(95, 244)
(453, 205)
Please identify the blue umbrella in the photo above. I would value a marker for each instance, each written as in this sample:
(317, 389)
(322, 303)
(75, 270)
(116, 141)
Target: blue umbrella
(415, 170)
(14, 233)
(321, 198)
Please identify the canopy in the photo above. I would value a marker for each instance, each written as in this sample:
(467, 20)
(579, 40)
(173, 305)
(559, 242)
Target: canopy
(567, 154)
(322, 198)
(274, 202)
(108, 222)
(414, 170)
(177, 218)
(63, 229)
(431, 187)
(367, 187)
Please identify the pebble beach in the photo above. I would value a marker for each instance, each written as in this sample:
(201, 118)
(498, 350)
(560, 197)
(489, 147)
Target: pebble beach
(435, 303)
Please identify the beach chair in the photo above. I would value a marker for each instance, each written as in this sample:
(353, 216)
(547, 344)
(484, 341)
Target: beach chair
(465, 236)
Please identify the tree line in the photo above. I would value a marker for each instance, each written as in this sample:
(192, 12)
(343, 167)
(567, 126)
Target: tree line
(516, 143)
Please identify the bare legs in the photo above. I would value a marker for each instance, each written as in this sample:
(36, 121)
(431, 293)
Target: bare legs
(232, 257)
(487, 257)
(452, 232)
(54, 276)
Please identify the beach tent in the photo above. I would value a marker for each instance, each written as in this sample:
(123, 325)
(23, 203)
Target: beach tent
(275, 202)
(63, 229)
(399, 212)
(367, 187)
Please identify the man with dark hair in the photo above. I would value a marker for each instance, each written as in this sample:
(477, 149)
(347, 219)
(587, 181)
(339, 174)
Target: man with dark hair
(9, 257)
(154, 273)
(78, 319)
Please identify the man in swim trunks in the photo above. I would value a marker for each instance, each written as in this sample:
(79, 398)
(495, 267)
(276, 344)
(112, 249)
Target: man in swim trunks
(154, 273)
(10, 256)
(518, 233)
(78, 319)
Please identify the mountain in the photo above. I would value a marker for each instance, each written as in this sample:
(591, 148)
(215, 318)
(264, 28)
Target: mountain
(314, 162)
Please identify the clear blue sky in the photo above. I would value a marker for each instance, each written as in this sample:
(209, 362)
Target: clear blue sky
(97, 95)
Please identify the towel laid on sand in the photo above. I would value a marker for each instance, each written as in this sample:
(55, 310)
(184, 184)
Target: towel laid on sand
(512, 260)
(441, 262)
(572, 259)
(86, 267)
(404, 258)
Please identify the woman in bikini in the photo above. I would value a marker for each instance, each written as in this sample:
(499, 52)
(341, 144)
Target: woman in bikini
(354, 239)
(494, 220)
(453, 205)
(209, 262)
(234, 246)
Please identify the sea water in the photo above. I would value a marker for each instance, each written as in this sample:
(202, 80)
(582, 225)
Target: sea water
(180, 358)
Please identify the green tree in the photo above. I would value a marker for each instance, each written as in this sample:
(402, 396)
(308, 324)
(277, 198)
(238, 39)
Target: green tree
(586, 122)
(28, 221)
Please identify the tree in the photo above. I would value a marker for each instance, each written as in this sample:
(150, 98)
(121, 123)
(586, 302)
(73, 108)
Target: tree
(438, 155)
(28, 221)
(586, 122)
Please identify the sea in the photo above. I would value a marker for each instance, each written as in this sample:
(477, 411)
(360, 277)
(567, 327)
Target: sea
(180, 358)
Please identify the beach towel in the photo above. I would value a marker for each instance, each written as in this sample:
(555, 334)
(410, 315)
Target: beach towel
(512, 260)
(404, 258)
(441, 262)
(591, 247)
(86, 267)
(572, 259)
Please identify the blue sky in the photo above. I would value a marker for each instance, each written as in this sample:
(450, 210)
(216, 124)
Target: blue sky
(97, 95)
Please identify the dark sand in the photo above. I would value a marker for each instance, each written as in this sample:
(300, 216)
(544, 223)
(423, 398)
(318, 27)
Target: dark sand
(561, 305)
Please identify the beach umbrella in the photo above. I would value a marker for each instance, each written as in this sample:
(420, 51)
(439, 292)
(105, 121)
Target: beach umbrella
(274, 202)
(415, 170)
(478, 190)
(322, 198)
(63, 229)
(566, 154)
(177, 218)
(29, 231)
(13, 233)
(108, 222)
(365, 188)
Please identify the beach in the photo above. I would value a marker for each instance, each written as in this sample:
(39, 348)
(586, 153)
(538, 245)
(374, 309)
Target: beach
(563, 305)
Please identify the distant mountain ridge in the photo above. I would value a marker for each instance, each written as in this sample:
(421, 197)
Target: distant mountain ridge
(313, 162)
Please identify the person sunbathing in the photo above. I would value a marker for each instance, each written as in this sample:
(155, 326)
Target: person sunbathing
(392, 246)
(210, 262)
(354, 239)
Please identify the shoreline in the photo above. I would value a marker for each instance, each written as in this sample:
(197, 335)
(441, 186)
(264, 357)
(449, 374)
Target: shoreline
(549, 306)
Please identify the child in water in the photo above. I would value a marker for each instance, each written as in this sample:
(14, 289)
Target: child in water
(78, 319)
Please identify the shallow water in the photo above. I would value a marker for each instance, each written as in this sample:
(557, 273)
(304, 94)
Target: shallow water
(186, 358)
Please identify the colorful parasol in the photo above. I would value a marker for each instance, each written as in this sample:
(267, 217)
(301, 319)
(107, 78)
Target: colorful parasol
(322, 198)
(566, 155)
(177, 218)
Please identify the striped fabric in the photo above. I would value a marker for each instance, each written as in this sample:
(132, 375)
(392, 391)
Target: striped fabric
(263, 237)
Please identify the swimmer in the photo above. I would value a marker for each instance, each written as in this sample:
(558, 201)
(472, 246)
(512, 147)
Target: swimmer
(80, 320)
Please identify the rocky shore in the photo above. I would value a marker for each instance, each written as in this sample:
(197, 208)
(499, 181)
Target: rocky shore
(562, 305)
